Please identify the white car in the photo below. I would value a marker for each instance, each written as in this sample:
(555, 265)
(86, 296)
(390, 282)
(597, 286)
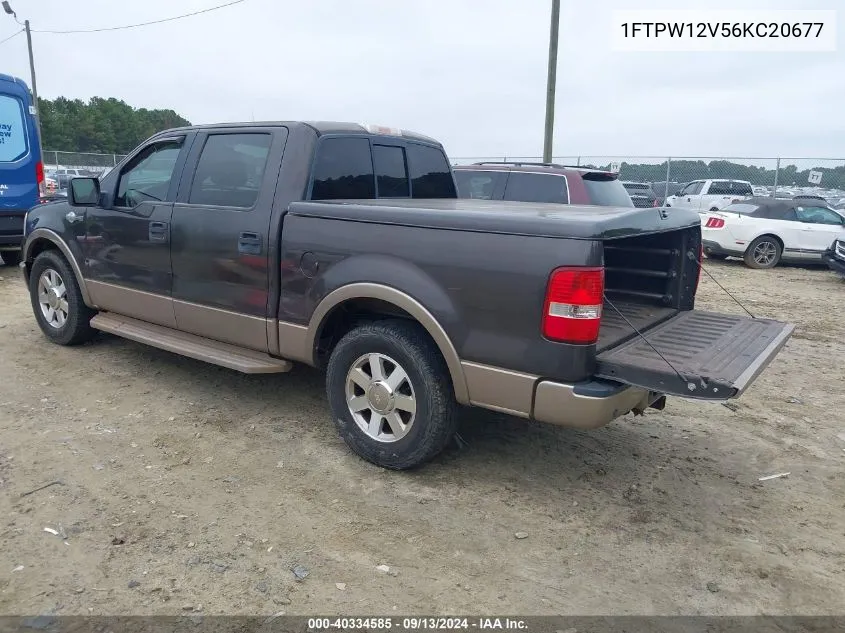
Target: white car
(765, 231)
(710, 195)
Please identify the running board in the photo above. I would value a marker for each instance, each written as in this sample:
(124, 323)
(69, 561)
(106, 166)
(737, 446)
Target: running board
(198, 347)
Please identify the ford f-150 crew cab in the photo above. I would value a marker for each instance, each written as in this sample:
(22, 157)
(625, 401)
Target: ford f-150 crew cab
(343, 246)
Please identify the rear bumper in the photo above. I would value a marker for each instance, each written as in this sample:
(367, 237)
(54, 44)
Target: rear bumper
(717, 249)
(588, 405)
(11, 229)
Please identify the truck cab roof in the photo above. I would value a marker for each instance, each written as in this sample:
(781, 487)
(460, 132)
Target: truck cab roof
(320, 127)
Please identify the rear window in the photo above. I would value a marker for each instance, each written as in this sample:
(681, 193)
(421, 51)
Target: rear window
(479, 185)
(431, 176)
(391, 171)
(12, 129)
(537, 188)
(730, 189)
(343, 170)
(605, 191)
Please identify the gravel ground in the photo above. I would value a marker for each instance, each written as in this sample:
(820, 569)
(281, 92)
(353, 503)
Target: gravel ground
(190, 487)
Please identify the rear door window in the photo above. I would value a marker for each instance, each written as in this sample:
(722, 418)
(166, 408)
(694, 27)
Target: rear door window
(391, 171)
(538, 188)
(344, 170)
(606, 192)
(230, 170)
(13, 144)
(431, 176)
(479, 185)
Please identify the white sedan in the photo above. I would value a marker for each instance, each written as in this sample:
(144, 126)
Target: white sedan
(765, 231)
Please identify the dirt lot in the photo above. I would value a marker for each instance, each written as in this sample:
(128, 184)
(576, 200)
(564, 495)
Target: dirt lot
(191, 486)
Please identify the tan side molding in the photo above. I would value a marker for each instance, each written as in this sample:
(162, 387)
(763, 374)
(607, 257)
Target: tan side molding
(298, 342)
(55, 238)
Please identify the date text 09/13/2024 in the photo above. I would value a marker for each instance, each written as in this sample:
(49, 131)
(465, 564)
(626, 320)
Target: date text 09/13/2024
(416, 623)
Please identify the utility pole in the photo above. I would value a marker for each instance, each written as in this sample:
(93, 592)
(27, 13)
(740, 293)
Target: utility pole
(33, 87)
(551, 81)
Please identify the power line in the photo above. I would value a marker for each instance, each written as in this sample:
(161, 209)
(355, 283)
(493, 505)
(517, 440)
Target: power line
(15, 34)
(132, 26)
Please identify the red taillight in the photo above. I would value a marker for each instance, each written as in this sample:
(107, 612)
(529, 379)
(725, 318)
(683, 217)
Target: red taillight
(714, 223)
(655, 203)
(39, 178)
(572, 311)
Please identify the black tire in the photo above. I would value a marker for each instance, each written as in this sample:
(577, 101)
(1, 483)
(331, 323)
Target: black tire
(435, 420)
(11, 258)
(76, 328)
(764, 252)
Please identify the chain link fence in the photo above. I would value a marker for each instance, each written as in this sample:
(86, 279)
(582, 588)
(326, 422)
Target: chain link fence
(82, 161)
(768, 176)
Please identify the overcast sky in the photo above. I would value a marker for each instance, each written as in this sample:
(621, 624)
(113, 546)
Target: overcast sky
(471, 73)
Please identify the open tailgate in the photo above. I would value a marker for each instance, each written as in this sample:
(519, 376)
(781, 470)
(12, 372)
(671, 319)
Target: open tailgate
(717, 355)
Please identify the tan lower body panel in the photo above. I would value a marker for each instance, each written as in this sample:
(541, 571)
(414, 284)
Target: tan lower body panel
(222, 325)
(294, 342)
(499, 389)
(147, 306)
(223, 354)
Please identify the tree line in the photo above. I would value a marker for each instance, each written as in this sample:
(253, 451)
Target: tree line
(107, 126)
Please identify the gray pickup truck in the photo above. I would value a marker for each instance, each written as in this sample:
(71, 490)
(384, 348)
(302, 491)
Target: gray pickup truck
(254, 246)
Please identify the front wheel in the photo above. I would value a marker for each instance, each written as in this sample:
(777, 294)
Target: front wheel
(764, 252)
(57, 301)
(391, 394)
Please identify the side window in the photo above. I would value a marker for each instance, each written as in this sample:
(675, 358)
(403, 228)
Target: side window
(480, 185)
(741, 189)
(13, 144)
(230, 170)
(343, 170)
(719, 189)
(536, 188)
(818, 215)
(431, 176)
(148, 176)
(691, 189)
(391, 171)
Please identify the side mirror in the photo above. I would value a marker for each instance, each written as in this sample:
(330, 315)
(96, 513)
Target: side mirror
(84, 192)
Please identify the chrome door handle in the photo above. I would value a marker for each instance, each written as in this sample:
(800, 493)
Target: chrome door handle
(73, 218)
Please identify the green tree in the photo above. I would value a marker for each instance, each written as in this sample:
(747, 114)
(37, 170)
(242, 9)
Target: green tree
(109, 126)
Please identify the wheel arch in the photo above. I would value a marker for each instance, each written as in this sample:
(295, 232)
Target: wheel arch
(43, 239)
(350, 294)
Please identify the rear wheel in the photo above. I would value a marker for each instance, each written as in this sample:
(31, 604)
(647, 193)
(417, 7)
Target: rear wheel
(391, 394)
(764, 252)
(57, 301)
(11, 258)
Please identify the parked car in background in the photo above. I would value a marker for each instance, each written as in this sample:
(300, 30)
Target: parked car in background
(541, 182)
(660, 190)
(710, 195)
(21, 170)
(254, 246)
(641, 194)
(766, 231)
